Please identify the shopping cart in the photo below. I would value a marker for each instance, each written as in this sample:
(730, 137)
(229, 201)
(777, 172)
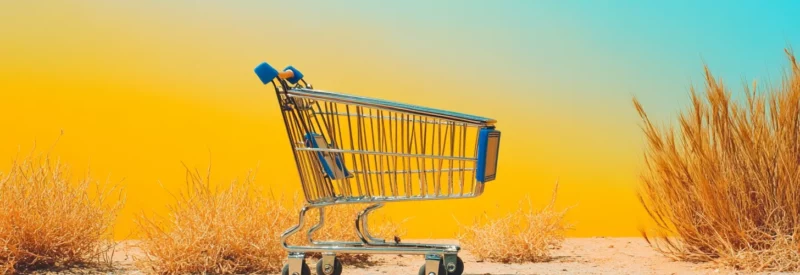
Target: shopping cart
(352, 149)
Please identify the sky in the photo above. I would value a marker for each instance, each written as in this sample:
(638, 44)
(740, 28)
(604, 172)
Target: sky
(139, 88)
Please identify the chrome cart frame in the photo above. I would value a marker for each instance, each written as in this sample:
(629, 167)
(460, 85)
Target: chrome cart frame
(351, 149)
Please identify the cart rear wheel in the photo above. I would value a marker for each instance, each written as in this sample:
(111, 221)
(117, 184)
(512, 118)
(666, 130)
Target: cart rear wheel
(305, 270)
(422, 269)
(336, 269)
(458, 271)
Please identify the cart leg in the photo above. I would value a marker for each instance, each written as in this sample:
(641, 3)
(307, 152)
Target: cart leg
(296, 263)
(362, 227)
(319, 225)
(296, 228)
(432, 264)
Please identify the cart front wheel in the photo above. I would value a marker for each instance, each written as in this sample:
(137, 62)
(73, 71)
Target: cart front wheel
(442, 271)
(305, 268)
(422, 269)
(336, 269)
(459, 267)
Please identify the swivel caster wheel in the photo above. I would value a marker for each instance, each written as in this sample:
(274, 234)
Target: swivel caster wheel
(457, 269)
(327, 268)
(296, 260)
(306, 270)
(422, 270)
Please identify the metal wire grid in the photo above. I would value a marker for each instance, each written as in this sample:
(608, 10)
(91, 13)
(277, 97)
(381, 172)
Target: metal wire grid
(389, 155)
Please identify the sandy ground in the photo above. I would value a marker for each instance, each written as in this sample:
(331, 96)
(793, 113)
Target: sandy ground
(577, 256)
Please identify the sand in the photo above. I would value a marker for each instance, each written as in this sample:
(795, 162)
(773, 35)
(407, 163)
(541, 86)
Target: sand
(577, 256)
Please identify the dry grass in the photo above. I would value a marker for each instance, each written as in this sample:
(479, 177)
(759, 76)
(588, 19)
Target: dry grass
(47, 221)
(215, 230)
(724, 185)
(526, 235)
(233, 230)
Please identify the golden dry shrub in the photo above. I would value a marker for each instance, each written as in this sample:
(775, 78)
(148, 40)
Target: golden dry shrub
(48, 221)
(231, 229)
(525, 235)
(236, 229)
(724, 184)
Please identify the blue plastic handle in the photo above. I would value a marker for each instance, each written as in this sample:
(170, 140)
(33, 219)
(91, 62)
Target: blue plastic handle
(266, 73)
(297, 75)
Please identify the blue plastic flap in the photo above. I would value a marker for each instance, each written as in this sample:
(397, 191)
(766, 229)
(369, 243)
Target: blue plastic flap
(266, 73)
(488, 152)
(334, 170)
(297, 75)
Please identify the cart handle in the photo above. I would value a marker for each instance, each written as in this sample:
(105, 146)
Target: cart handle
(267, 73)
(286, 74)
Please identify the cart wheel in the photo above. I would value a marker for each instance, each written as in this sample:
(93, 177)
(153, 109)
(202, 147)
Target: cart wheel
(440, 272)
(336, 269)
(305, 270)
(459, 268)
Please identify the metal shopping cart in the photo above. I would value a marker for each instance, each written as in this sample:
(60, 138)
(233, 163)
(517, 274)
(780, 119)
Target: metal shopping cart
(352, 149)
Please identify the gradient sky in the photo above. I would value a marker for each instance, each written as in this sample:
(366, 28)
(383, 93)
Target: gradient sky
(140, 86)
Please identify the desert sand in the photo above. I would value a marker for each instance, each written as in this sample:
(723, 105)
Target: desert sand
(577, 256)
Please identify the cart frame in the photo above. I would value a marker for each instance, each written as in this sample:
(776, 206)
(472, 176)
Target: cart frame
(390, 168)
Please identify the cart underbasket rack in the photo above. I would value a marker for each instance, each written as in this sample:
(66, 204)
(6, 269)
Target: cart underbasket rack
(352, 149)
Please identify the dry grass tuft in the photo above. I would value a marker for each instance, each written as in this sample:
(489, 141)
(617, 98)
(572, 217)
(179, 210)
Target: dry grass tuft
(47, 221)
(526, 235)
(723, 186)
(234, 230)
(222, 230)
